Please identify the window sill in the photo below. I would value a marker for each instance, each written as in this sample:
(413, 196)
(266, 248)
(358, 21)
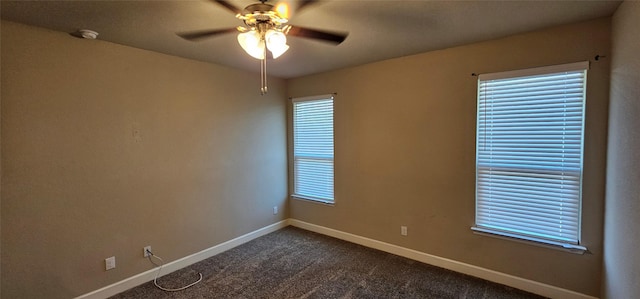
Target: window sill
(571, 248)
(313, 200)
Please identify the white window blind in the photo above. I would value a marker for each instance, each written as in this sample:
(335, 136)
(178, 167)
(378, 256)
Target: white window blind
(313, 148)
(529, 153)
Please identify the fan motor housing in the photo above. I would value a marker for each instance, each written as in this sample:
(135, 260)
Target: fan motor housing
(260, 13)
(258, 8)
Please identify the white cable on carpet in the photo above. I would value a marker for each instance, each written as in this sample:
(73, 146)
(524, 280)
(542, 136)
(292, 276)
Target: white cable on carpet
(155, 280)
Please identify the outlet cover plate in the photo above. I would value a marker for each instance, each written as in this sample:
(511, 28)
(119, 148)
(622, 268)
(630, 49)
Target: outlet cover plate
(110, 263)
(144, 251)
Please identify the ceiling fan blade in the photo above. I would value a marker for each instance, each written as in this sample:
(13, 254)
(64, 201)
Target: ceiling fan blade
(200, 34)
(331, 37)
(229, 6)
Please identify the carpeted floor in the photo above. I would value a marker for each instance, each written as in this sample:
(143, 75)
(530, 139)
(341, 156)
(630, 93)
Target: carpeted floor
(295, 263)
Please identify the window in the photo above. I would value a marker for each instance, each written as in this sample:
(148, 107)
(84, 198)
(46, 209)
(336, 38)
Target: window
(313, 148)
(529, 154)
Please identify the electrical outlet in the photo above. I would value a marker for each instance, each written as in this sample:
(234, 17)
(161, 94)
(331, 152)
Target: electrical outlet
(275, 210)
(146, 250)
(110, 263)
(403, 230)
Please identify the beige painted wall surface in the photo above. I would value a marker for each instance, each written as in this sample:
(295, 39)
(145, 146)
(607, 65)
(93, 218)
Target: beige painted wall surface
(622, 218)
(405, 152)
(0, 175)
(106, 149)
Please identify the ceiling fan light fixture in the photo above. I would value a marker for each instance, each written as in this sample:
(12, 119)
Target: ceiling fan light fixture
(277, 52)
(276, 42)
(252, 43)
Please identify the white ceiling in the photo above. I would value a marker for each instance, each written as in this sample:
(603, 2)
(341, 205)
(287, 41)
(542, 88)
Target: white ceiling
(378, 29)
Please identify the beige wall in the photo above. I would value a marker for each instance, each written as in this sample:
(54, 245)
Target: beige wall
(405, 152)
(106, 149)
(622, 219)
(0, 176)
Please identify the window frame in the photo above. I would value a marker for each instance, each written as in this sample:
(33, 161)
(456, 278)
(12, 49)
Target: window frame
(575, 247)
(295, 158)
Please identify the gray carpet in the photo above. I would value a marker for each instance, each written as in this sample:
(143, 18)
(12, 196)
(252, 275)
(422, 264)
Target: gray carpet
(295, 263)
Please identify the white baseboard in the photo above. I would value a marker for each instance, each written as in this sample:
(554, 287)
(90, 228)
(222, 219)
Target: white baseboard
(149, 275)
(490, 275)
(498, 277)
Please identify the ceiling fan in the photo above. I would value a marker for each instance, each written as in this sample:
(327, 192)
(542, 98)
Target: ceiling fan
(266, 28)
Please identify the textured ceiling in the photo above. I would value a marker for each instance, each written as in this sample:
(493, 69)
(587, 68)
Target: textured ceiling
(378, 29)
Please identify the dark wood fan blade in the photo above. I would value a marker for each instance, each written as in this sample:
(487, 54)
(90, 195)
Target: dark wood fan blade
(305, 3)
(228, 6)
(331, 37)
(197, 35)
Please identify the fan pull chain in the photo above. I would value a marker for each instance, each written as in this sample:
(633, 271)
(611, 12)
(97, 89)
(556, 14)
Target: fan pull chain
(263, 74)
